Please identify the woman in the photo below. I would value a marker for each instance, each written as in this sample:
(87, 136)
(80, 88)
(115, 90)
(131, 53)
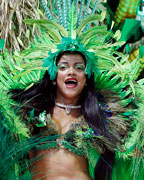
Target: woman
(73, 135)
(71, 101)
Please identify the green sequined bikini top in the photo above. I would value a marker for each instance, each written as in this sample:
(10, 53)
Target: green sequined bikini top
(79, 139)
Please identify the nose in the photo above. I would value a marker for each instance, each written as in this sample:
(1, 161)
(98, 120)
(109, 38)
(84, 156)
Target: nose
(71, 70)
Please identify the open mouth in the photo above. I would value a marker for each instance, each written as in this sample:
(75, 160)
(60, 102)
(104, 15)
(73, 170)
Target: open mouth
(71, 83)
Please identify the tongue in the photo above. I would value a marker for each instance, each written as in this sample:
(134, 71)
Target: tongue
(71, 84)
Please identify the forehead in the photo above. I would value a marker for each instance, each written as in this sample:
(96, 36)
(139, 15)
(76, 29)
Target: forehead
(71, 58)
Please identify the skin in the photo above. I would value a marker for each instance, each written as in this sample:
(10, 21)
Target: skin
(60, 163)
(70, 66)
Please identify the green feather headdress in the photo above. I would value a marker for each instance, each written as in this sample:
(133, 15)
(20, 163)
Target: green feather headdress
(70, 42)
(72, 31)
(71, 45)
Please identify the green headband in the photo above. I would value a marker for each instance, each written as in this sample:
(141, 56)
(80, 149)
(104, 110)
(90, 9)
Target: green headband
(69, 44)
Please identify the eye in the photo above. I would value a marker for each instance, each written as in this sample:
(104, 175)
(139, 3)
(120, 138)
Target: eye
(62, 66)
(80, 67)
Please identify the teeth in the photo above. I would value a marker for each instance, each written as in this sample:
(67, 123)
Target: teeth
(71, 82)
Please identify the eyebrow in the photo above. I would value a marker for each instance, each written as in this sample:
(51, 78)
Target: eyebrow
(74, 63)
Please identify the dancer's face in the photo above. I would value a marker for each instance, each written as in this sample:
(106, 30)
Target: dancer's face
(71, 77)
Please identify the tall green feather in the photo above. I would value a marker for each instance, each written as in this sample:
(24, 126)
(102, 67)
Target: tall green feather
(86, 9)
(72, 22)
(69, 5)
(80, 12)
(60, 14)
(88, 19)
(76, 7)
(40, 22)
(65, 14)
(94, 8)
(92, 12)
(48, 13)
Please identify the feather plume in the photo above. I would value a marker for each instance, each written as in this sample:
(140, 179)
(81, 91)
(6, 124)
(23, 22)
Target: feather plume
(13, 76)
(76, 7)
(72, 23)
(60, 28)
(93, 34)
(65, 14)
(94, 8)
(48, 13)
(69, 5)
(86, 9)
(53, 33)
(60, 15)
(92, 12)
(89, 19)
(80, 12)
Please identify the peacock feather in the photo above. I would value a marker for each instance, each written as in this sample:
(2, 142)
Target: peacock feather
(86, 8)
(80, 12)
(60, 14)
(95, 7)
(48, 13)
(69, 5)
(92, 12)
(65, 13)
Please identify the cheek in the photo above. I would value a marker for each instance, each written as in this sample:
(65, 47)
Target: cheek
(82, 80)
(83, 77)
(60, 77)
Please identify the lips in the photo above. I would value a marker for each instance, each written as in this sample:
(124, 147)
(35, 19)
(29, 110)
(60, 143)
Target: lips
(71, 82)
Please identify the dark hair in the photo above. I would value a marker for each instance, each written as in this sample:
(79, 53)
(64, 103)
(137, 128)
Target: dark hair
(44, 93)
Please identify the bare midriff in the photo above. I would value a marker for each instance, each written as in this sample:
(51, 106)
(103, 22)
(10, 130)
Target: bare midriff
(59, 164)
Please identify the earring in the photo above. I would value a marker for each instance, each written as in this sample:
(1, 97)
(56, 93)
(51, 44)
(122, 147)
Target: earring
(54, 83)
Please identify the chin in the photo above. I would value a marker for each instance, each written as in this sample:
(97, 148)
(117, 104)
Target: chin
(71, 96)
